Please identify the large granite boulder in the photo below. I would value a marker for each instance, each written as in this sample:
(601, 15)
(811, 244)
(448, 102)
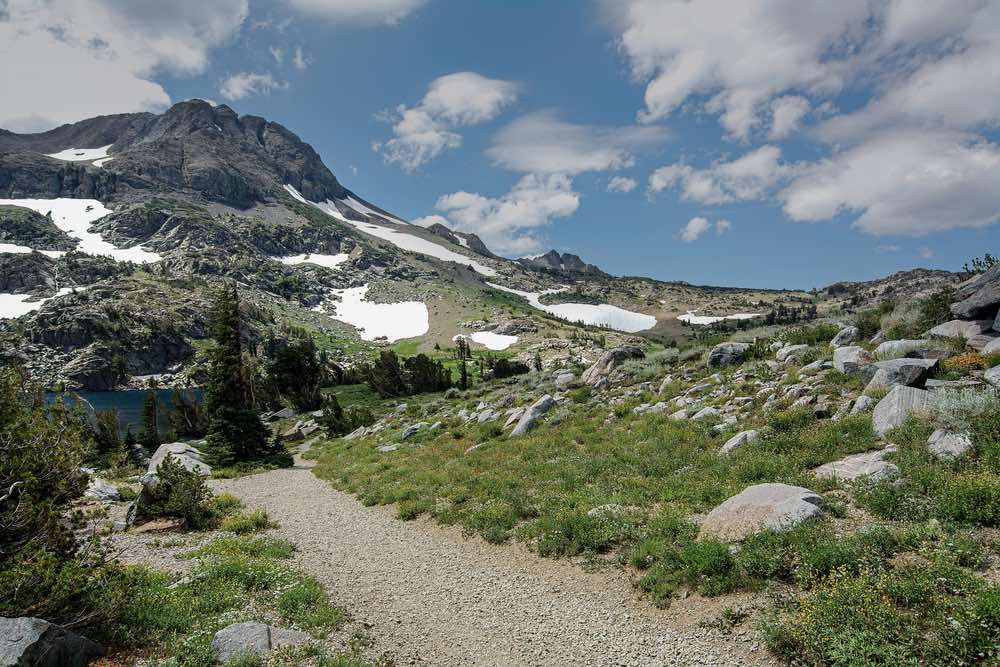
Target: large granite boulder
(726, 354)
(761, 507)
(845, 336)
(739, 440)
(980, 297)
(947, 445)
(908, 372)
(33, 642)
(893, 349)
(253, 639)
(184, 453)
(961, 329)
(993, 376)
(896, 406)
(852, 360)
(609, 361)
(791, 352)
(532, 414)
(870, 466)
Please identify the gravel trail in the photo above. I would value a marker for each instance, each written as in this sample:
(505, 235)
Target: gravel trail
(433, 597)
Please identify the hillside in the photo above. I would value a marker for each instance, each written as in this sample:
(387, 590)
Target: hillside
(185, 199)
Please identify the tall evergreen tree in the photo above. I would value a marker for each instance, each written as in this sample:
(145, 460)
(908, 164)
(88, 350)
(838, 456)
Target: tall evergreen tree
(235, 431)
(149, 437)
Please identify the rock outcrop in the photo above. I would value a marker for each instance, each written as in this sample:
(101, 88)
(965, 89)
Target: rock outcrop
(761, 507)
(608, 362)
(896, 406)
(33, 642)
(253, 639)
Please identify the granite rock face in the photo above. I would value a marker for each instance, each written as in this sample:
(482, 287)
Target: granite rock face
(896, 406)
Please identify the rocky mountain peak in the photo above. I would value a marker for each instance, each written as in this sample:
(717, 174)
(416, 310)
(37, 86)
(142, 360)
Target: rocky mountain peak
(556, 262)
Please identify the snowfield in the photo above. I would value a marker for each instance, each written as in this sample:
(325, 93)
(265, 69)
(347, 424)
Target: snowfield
(14, 305)
(75, 216)
(329, 261)
(96, 155)
(401, 240)
(603, 314)
(394, 321)
(23, 250)
(364, 210)
(691, 318)
(490, 340)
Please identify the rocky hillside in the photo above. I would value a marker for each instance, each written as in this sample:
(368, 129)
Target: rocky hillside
(114, 230)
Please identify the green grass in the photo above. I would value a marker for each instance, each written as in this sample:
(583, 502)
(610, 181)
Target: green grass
(243, 524)
(235, 579)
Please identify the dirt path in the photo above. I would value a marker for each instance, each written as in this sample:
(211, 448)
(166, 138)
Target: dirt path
(434, 597)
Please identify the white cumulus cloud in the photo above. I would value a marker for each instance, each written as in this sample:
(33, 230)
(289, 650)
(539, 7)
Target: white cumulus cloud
(509, 224)
(694, 228)
(389, 12)
(751, 176)
(622, 184)
(245, 84)
(541, 143)
(424, 131)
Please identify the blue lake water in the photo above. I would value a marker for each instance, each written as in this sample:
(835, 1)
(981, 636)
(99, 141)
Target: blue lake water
(128, 403)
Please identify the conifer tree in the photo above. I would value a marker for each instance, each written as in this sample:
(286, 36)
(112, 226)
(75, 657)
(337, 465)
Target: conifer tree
(235, 431)
(149, 437)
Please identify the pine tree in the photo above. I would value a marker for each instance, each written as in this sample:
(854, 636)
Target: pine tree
(463, 372)
(149, 437)
(235, 431)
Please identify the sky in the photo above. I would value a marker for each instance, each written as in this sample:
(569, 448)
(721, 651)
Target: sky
(767, 143)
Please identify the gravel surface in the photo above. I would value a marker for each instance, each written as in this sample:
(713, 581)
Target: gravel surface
(430, 596)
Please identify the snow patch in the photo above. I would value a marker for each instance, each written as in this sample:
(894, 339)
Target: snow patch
(329, 261)
(691, 318)
(490, 340)
(366, 210)
(602, 314)
(401, 240)
(75, 216)
(22, 250)
(14, 305)
(394, 321)
(96, 155)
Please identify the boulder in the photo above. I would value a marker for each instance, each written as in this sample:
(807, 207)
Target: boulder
(908, 372)
(564, 380)
(982, 341)
(961, 329)
(532, 414)
(412, 430)
(896, 406)
(738, 440)
(610, 360)
(706, 413)
(790, 352)
(893, 349)
(852, 360)
(726, 354)
(33, 642)
(185, 454)
(245, 639)
(761, 507)
(980, 297)
(862, 404)
(101, 489)
(947, 445)
(993, 376)
(871, 466)
(845, 336)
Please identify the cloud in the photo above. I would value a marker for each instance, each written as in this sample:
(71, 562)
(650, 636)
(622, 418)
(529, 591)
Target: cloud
(72, 60)
(300, 60)
(908, 182)
(694, 228)
(509, 224)
(244, 84)
(541, 143)
(749, 177)
(621, 184)
(277, 54)
(388, 12)
(925, 252)
(739, 55)
(424, 131)
(889, 247)
(786, 115)
(931, 62)
(723, 226)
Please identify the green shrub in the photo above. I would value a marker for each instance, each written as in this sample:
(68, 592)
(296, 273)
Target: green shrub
(179, 493)
(254, 522)
(973, 498)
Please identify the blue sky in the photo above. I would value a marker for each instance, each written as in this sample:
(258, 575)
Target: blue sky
(776, 144)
